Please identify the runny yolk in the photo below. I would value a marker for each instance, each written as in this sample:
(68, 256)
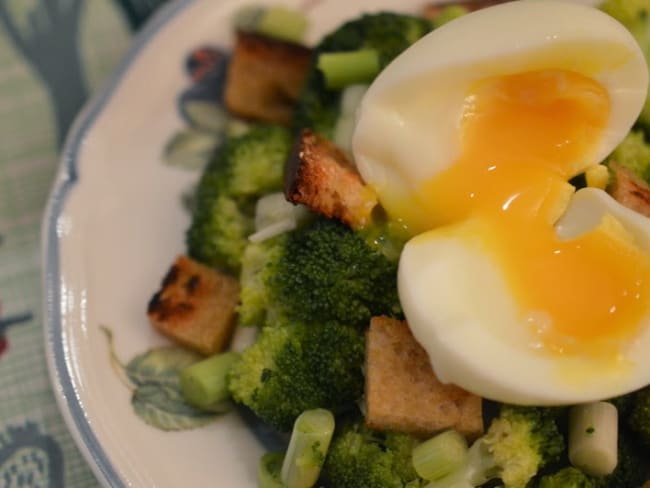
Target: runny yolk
(524, 136)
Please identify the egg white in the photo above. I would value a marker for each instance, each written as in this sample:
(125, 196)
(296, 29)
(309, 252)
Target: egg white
(408, 122)
(459, 308)
(454, 296)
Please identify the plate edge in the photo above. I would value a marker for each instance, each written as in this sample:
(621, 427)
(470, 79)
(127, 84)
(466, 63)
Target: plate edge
(58, 365)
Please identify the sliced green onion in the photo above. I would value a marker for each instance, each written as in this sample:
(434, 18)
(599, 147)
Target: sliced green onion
(457, 479)
(597, 176)
(448, 14)
(205, 384)
(440, 455)
(283, 23)
(341, 69)
(274, 21)
(593, 438)
(310, 439)
(274, 215)
(350, 100)
(268, 471)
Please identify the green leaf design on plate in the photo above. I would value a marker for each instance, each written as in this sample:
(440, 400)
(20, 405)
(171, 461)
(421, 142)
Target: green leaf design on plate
(191, 148)
(207, 116)
(162, 406)
(160, 366)
(157, 398)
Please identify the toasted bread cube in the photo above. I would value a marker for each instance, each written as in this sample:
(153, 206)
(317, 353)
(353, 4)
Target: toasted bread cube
(195, 306)
(320, 176)
(402, 391)
(629, 190)
(265, 77)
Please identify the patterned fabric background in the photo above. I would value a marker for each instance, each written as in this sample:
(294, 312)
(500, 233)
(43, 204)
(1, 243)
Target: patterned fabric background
(53, 55)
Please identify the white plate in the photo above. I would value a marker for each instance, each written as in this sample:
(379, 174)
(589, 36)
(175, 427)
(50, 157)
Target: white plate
(114, 224)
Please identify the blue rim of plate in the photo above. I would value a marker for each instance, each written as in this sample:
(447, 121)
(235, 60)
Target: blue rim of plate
(57, 358)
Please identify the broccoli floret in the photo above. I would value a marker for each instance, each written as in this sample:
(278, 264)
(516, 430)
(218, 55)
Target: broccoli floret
(518, 443)
(293, 368)
(632, 466)
(322, 272)
(245, 168)
(257, 306)
(567, 478)
(387, 33)
(330, 272)
(635, 16)
(639, 420)
(359, 456)
(633, 153)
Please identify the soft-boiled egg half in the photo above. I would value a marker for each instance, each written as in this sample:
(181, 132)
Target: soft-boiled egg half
(519, 288)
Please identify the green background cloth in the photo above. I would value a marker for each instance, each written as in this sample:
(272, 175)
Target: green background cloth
(53, 55)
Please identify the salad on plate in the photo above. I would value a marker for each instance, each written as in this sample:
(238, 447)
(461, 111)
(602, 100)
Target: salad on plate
(420, 250)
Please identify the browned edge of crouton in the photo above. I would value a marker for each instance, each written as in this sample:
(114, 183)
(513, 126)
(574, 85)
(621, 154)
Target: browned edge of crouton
(432, 10)
(629, 190)
(265, 77)
(403, 393)
(195, 306)
(320, 176)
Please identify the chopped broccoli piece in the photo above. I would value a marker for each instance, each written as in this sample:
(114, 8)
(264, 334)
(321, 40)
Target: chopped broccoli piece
(519, 442)
(639, 420)
(257, 306)
(322, 272)
(635, 16)
(359, 456)
(245, 168)
(632, 468)
(329, 272)
(387, 33)
(623, 404)
(567, 478)
(293, 368)
(633, 153)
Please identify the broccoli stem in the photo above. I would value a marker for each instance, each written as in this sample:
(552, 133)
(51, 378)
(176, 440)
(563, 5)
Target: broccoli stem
(341, 69)
(205, 384)
(440, 455)
(593, 438)
(310, 440)
(268, 470)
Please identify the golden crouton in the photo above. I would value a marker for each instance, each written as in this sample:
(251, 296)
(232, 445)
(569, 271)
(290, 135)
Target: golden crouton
(265, 77)
(320, 176)
(431, 11)
(403, 393)
(196, 306)
(629, 190)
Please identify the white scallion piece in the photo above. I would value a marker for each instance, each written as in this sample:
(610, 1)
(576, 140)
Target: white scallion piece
(350, 100)
(310, 440)
(593, 438)
(273, 230)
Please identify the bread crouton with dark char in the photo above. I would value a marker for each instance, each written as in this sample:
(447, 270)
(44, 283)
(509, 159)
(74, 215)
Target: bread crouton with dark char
(320, 176)
(265, 77)
(195, 306)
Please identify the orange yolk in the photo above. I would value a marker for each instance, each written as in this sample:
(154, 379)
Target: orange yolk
(523, 137)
